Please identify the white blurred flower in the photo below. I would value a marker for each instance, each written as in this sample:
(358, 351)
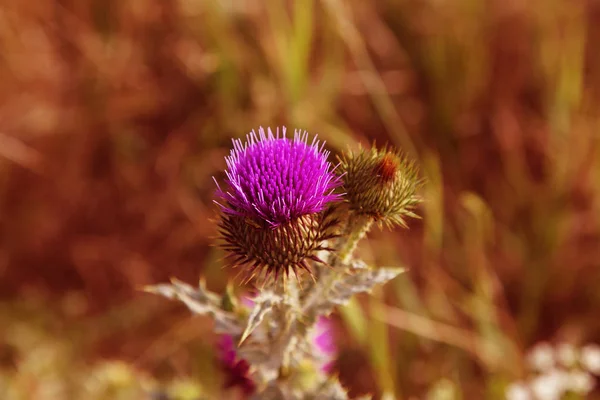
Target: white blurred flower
(580, 382)
(558, 371)
(551, 385)
(518, 391)
(590, 358)
(541, 357)
(566, 354)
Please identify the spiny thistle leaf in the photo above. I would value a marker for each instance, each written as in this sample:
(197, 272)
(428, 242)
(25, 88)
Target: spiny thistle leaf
(364, 280)
(257, 353)
(358, 264)
(332, 389)
(357, 281)
(200, 301)
(272, 392)
(263, 304)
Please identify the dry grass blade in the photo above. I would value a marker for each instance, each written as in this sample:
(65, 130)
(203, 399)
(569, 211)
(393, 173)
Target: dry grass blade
(18, 152)
(440, 332)
(339, 11)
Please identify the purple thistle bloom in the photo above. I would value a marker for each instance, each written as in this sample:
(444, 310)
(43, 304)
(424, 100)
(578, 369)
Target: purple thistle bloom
(237, 371)
(275, 209)
(278, 179)
(324, 342)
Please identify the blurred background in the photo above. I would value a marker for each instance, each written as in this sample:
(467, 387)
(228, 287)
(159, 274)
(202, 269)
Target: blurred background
(115, 116)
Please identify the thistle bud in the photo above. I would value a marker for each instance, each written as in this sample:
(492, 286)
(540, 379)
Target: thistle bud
(381, 184)
(274, 211)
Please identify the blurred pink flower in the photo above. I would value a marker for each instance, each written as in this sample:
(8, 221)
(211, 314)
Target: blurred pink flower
(324, 341)
(236, 370)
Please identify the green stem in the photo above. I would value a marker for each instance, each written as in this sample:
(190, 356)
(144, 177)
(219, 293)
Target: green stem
(357, 228)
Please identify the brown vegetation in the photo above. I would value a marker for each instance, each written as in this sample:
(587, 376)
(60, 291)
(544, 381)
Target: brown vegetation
(114, 116)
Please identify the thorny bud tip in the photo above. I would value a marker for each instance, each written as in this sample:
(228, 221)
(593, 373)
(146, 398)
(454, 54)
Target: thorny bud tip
(380, 183)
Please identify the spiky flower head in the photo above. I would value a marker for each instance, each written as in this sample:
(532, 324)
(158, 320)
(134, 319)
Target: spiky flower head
(274, 210)
(380, 183)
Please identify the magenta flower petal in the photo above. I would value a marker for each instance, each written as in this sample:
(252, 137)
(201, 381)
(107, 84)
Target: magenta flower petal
(275, 209)
(324, 341)
(277, 179)
(226, 349)
(237, 371)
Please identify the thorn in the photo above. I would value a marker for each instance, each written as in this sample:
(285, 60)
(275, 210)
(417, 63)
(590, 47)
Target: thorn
(297, 279)
(312, 276)
(147, 289)
(245, 336)
(240, 272)
(177, 282)
(316, 259)
(250, 276)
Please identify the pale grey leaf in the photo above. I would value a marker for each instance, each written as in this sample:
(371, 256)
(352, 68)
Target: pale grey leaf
(226, 323)
(358, 264)
(351, 283)
(272, 392)
(330, 390)
(164, 289)
(365, 279)
(200, 301)
(254, 353)
(263, 304)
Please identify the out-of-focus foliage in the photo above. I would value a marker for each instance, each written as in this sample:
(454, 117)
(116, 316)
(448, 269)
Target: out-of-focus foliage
(115, 115)
(41, 361)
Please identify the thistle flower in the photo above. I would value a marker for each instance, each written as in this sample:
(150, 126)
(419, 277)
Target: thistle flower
(518, 391)
(323, 340)
(275, 207)
(237, 371)
(590, 358)
(541, 357)
(381, 184)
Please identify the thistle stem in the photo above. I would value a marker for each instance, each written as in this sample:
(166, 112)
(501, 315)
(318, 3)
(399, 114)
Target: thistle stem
(286, 315)
(356, 229)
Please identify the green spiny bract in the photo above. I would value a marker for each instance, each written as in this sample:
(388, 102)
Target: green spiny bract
(380, 183)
